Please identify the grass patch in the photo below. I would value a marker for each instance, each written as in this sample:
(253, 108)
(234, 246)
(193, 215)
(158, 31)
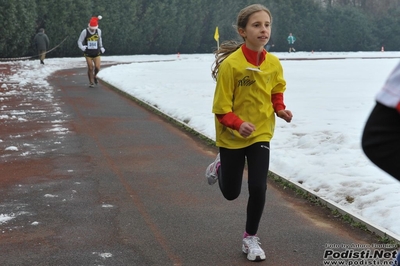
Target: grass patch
(349, 199)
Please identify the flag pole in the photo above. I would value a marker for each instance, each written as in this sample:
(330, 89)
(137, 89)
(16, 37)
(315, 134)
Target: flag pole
(216, 37)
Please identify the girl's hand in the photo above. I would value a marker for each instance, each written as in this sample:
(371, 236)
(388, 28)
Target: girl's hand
(285, 115)
(246, 129)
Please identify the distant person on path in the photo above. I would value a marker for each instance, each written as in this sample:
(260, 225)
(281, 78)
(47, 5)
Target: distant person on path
(291, 40)
(91, 43)
(249, 92)
(381, 136)
(270, 44)
(42, 43)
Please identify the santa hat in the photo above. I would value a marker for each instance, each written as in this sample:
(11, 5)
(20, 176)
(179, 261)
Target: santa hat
(94, 22)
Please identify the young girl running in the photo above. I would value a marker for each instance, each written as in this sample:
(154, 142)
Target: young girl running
(248, 93)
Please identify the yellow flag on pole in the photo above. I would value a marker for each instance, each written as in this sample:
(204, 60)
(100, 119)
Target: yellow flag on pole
(216, 34)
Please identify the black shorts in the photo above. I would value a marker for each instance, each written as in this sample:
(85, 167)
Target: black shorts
(91, 55)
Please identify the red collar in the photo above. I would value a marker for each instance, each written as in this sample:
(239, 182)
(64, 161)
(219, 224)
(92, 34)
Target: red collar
(251, 56)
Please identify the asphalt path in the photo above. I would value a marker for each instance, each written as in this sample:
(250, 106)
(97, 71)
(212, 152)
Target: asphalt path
(128, 188)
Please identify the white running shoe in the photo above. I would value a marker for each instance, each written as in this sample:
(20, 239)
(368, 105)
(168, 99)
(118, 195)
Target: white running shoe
(212, 171)
(251, 247)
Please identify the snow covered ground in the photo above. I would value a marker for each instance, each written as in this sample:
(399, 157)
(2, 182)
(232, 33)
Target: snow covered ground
(319, 150)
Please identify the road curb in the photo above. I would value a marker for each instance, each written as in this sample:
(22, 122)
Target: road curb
(378, 230)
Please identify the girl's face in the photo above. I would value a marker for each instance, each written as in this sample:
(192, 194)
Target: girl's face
(257, 31)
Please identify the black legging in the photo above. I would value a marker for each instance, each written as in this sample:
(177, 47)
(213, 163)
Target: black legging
(231, 174)
(381, 139)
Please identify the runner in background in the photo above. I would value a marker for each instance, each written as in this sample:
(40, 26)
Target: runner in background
(270, 44)
(91, 43)
(291, 40)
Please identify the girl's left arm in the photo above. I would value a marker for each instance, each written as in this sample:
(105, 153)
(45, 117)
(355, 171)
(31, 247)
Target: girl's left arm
(100, 38)
(277, 96)
(277, 102)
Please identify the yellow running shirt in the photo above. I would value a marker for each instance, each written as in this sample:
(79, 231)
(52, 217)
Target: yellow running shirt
(247, 93)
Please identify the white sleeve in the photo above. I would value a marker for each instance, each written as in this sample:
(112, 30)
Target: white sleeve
(100, 39)
(390, 93)
(81, 39)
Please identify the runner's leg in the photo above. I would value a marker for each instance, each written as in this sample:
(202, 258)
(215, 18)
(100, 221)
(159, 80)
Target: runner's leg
(231, 172)
(258, 166)
(89, 62)
(97, 62)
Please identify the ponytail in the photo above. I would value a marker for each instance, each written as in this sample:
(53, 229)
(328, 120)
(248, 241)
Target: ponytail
(224, 50)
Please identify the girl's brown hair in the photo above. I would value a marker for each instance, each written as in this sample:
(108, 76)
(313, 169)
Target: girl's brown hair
(228, 47)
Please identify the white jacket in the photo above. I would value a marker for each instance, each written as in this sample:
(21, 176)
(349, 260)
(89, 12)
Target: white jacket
(390, 93)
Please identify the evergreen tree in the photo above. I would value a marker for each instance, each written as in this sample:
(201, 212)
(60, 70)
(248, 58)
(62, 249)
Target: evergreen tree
(18, 27)
(66, 19)
(8, 17)
(171, 26)
(386, 31)
(348, 30)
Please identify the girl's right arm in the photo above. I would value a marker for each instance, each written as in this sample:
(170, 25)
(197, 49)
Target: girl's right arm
(233, 121)
(230, 120)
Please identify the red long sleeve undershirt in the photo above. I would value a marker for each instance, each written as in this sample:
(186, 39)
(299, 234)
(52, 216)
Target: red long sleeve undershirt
(233, 121)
